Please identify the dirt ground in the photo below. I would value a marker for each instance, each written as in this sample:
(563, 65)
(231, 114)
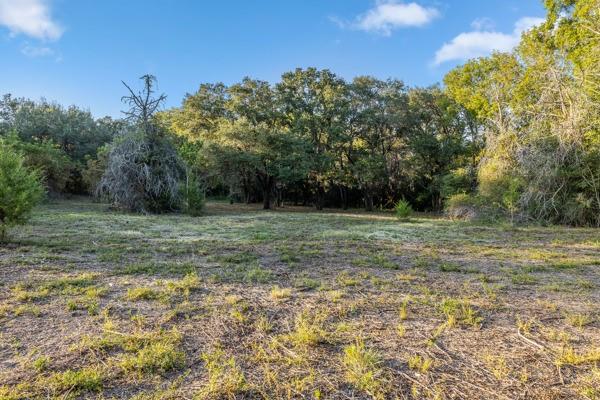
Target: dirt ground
(242, 303)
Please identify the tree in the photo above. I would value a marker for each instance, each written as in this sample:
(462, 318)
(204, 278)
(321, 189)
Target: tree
(143, 171)
(243, 134)
(313, 103)
(438, 140)
(20, 189)
(51, 162)
(378, 110)
(59, 140)
(539, 109)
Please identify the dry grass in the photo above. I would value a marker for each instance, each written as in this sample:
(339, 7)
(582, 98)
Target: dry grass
(245, 304)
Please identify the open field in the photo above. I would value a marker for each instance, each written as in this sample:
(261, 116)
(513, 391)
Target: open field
(243, 303)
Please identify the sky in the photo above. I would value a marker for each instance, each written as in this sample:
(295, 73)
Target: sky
(79, 51)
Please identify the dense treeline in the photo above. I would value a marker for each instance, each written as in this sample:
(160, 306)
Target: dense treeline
(512, 135)
(539, 108)
(60, 142)
(315, 138)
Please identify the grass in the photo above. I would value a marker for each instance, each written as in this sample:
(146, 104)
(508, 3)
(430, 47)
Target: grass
(363, 369)
(142, 293)
(278, 293)
(89, 379)
(157, 357)
(309, 329)
(419, 363)
(244, 303)
(459, 312)
(225, 379)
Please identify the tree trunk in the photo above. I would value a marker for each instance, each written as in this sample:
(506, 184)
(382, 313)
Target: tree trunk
(344, 197)
(319, 197)
(266, 199)
(267, 184)
(368, 200)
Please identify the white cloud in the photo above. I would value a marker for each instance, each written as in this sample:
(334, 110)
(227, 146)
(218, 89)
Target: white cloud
(483, 24)
(29, 17)
(389, 15)
(35, 51)
(480, 43)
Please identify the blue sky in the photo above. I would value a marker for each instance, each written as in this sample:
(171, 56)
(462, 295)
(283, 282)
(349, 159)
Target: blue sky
(78, 51)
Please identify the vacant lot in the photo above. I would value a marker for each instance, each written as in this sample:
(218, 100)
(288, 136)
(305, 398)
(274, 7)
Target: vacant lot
(292, 303)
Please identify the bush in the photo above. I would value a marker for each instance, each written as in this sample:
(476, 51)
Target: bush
(94, 169)
(193, 196)
(463, 206)
(403, 209)
(20, 189)
(53, 164)
(142, 174)
(143, 171)
(457, 181)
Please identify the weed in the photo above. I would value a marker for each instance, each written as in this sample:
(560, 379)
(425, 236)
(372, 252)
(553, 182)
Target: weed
(403, 313)
(497, 366)
(363, 369)
(87, 379)
(153, 268)
(142, 293)
(278, 293)
(450, 267)
(459, 312)
(579, 320)
(419, 363)
(25, 309)
(307, 283)
(308, 329)
(157, 357)
(568, 356)
(401, 330)
(41, 363)
(522, 278)
(225, 378)
(258, 275)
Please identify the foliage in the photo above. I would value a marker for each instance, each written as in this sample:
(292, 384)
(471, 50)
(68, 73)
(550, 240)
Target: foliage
(193, 195)
(463, 206)
(225, 378)
(20, 188)
(538, 107)
(142, 174)
(459, 180)
(58, 140)
(143, 170)
(317, 138)
(519, 131)
(54, 166)
(94, 168)
(74, 131)
(403, 209)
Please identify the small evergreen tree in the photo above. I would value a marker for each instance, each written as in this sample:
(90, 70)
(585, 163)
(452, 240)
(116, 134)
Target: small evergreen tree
(143, 171)
(20, 189)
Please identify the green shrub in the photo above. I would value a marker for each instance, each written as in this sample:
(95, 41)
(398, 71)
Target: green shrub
(459, 180)
(53, 164)
(94, 169)
(20, 189)
(193, 196)
(403, 209)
